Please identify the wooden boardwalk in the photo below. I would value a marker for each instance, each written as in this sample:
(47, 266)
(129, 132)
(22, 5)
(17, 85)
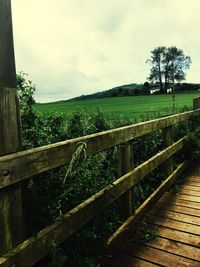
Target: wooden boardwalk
(170, 234)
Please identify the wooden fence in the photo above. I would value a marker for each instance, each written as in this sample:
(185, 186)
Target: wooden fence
(20, 166)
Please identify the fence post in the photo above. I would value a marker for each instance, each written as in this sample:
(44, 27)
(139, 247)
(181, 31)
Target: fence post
(126, 164)
(168, 165)
(11, 223)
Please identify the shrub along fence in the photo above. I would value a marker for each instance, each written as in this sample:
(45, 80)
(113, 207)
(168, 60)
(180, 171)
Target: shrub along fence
(20, 166)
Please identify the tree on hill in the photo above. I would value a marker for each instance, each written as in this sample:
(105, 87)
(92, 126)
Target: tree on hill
(178, 63)
(168, 63)
(156, 60)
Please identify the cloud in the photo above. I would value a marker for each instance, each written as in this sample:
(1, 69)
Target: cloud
(74, 47)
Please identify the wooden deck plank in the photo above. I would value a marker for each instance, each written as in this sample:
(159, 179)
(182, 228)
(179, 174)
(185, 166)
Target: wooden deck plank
(176, 216)
(173, 224)
(187, 197)
(123, 260)
(192, 181)
(176, 196)
(156, 256)
(195, 178)
(172, 234)
(189, 187)
(180, 202)
(168, 245)
(193, 184)
(187, 192)
(177, 208)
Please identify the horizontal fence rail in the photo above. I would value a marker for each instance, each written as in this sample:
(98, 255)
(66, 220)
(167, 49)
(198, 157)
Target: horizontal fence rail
(20, 166)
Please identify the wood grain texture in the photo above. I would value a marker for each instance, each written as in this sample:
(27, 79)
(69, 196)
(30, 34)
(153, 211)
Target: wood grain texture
(187, 197)
(126, 164)
(177, 208)
(173, 224)
(189, 187)
(157, 256)
(176, 216)
(171, 198)
(7, 64)
(168, 141)
(172, 234)
(10, 137)
(121, 260)
(194, 178)
(195, 184)
(26, 164)
(168, 245)
(188, 192)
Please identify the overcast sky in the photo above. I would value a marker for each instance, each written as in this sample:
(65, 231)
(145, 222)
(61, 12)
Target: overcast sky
(74, 47)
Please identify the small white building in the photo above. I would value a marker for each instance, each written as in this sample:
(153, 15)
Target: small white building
(169, 90)
(152, 91)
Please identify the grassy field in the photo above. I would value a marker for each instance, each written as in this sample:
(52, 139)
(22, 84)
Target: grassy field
(132, 107)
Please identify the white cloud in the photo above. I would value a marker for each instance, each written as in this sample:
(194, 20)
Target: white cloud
(74, 47)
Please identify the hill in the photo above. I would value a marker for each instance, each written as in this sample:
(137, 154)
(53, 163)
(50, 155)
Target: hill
(133, 89)
(123, 90)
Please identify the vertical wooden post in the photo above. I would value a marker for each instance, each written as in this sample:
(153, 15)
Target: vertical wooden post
(126, 164)
(168, 165)
(11, 223)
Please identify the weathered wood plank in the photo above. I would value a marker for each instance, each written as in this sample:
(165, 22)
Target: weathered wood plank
(173, 224)
(171, 198)
(196, 184)
(157, 256)
(26, 164)
(168, 141)
(176, 216)
(167, 245)
(126, 165)
(180, 209)
(193, 178)
(35, 248)
(7, 66)
(11, 221)
(186, 197)
(188, 192)
(123, 260)
(189, 187)
(129, 225)
(186, 238)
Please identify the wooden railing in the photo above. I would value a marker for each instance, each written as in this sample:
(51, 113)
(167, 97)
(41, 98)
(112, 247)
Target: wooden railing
(20, 166)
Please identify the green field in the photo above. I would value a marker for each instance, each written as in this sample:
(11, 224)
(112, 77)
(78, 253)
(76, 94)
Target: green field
(132, 107)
